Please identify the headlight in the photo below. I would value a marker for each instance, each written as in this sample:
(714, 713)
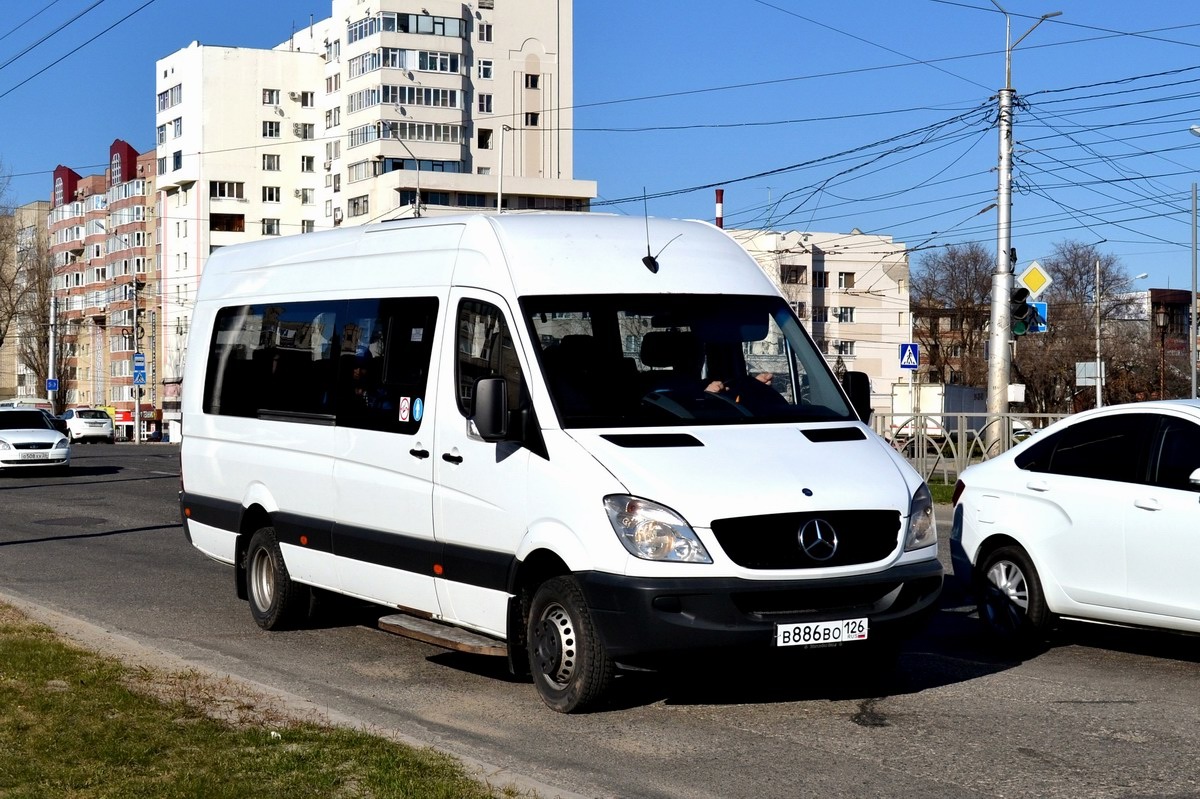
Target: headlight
(62, 444)
(653, 532)
(922, 531)
(4, 445)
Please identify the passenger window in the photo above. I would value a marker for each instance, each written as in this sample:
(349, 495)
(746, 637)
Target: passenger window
(1107, 448)
(1178, 454)
(485, 349)
(386, 346)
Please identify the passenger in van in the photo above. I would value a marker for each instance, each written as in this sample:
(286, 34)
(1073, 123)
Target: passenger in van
(757, 392)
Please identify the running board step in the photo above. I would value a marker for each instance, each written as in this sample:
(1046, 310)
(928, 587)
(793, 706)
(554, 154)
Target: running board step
(438, 634)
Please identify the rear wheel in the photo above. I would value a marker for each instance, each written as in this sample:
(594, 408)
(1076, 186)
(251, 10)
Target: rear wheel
(276, 603)
(1012, 606)
(570, 667)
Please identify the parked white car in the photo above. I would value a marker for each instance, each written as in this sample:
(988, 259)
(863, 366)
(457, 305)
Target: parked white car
(89, 424)
(1095, 518)
(28, 439)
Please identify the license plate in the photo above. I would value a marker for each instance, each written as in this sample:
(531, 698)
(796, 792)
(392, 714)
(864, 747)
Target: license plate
(817, 633)
(35, 456)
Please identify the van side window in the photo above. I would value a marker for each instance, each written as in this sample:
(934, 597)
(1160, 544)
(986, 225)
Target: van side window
(359, 363)
(485, 349)
(386, 347)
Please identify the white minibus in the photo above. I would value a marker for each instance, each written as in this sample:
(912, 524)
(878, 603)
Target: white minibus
(529, 436)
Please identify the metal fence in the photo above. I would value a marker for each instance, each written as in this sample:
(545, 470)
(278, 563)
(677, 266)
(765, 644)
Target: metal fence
(940, 445)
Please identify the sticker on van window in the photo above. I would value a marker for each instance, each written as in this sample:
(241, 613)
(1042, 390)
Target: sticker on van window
(405, 408)
(418, 409)
(418, 333)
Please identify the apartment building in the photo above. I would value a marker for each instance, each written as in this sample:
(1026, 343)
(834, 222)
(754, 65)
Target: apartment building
(851, 291)
(24, 226)
(384, 110)
(106, 288)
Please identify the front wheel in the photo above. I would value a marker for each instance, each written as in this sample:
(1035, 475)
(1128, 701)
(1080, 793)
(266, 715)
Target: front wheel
(1012, 606)
(276, 603)
(570, 668)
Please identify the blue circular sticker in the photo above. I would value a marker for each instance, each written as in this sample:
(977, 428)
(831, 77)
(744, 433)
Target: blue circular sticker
(418, 409)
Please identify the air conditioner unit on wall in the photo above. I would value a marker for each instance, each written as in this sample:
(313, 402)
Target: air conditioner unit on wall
(296, 193)
(297, 129)
(294, 95)
(328, 165)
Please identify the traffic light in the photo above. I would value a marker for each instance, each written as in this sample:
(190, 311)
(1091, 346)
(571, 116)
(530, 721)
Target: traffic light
(1020, 312)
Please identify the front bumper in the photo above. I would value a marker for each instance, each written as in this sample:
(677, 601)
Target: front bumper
(637, 616)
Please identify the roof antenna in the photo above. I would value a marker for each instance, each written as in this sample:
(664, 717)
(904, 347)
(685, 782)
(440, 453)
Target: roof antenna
(651, 261)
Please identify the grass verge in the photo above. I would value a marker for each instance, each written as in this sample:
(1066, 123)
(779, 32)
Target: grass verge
(77, 724)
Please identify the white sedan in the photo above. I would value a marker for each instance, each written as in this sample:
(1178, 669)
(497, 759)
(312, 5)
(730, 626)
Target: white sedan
(28, 439)
(1096, 518)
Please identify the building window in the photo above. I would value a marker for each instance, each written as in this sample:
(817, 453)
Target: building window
(227, 223)
(844, 314)
(845, 280)
(333, 117)
(821, 280)
(177, 160)
(307, 196)
(308, 163)
(171, 97)
(485, 68)
(270, 130)
(843, 347)
(532, 81)
(485, 104)
(226, 190)
(160, 134)
(307, 99)
(358, 206)
(820, 313)
(306, 130)
(438, 62)
(270, 227)
(270, 194)
(270, 96)
(177, 127)
(531, 119)
(485, 31)
(483, 139)
(270, 163)
(793, 273)
(308, 225)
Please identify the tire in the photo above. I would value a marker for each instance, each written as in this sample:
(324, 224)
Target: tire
(276, 603)
(570, 668)
(1012, 606)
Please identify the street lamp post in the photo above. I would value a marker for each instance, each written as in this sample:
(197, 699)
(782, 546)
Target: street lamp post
(999, 356)
(1160, 320)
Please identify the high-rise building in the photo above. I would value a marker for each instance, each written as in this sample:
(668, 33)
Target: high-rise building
(384, 110)
(24, 232)
(106, 288)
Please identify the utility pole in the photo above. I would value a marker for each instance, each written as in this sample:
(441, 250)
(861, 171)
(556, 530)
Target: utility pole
(999, 355)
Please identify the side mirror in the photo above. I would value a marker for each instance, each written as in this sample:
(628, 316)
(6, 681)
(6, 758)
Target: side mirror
(489, 409)
(858, 388)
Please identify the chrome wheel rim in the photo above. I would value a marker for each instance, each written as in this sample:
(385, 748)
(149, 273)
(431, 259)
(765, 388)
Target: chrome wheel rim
(262, 579)
(1006, 596)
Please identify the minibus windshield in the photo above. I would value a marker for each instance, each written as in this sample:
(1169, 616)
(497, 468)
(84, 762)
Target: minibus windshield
(641, 360)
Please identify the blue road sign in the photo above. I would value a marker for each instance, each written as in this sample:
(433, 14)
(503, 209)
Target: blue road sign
(139, 378)
(910, 356)
(1038, 323)
(52, 384)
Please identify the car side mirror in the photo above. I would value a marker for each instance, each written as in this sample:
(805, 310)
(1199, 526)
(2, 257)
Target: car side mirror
(858, 389)
(1194, 479)
(489, 408)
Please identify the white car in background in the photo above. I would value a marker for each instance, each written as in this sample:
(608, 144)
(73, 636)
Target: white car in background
(89, 424)
(27, 439)
(1095, 518)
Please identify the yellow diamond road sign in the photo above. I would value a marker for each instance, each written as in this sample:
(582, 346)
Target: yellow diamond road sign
(1036, 279)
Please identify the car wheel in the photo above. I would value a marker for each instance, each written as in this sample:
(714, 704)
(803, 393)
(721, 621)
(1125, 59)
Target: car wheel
(1011, 604)
(276, 603)
(570, 668)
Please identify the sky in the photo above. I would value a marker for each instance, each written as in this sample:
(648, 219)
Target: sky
(878, 115)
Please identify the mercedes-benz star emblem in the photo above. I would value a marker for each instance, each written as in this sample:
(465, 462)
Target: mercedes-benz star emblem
(818, 539)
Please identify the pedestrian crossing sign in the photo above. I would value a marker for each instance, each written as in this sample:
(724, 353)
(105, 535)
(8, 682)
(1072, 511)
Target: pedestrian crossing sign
(910, 356)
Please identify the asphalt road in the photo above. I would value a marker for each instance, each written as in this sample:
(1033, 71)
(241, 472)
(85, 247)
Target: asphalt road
(1101, 713)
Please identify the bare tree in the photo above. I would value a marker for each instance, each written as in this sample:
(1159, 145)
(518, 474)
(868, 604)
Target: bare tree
(12, 288)
(950, 294)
